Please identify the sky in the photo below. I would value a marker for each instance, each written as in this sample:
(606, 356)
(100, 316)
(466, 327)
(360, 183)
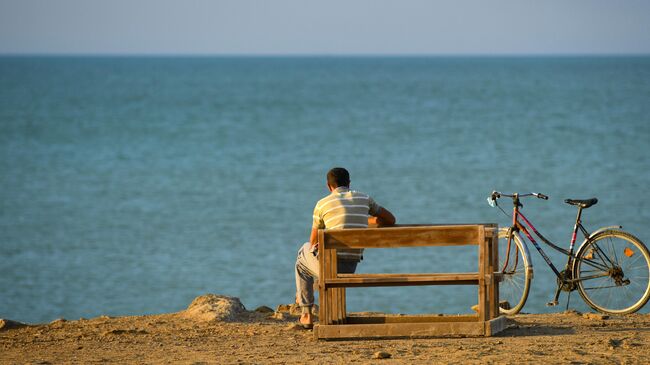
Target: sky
(333, 27)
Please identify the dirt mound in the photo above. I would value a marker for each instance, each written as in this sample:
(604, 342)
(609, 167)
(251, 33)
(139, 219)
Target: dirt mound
(212, 307)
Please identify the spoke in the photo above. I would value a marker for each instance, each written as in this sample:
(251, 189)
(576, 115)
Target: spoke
(610, 252)
(602, 286)
(613, 250)
(638, 280)
(633, 261)
(607, 287)
(609, 298)
(518, 285)
(640, 277)
(627, 294)
(640, 266)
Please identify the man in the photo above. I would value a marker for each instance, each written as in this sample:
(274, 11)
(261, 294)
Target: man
(343, 208)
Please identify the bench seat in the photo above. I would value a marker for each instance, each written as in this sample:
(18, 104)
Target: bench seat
(368, 280)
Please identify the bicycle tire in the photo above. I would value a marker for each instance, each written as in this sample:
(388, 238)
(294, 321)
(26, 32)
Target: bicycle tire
(618, 249)
(515, 282)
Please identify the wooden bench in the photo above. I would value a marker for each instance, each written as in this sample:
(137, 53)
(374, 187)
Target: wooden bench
(334, 321)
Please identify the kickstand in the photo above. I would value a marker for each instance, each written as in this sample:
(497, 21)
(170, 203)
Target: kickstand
(568, 299)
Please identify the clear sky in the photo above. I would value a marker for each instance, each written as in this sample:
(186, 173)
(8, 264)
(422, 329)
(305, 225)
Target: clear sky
(325, 27)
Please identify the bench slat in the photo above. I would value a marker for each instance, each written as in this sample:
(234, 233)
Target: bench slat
(456, 235)
(369, 280)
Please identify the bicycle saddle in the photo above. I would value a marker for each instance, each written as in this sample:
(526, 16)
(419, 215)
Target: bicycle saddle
(586, 203)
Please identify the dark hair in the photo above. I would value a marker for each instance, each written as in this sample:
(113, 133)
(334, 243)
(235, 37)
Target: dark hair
(338, 176)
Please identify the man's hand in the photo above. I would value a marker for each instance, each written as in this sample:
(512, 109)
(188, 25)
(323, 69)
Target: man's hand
(384, 218)
(313, 247)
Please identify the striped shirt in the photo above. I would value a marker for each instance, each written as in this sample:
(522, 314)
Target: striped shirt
(345, 208)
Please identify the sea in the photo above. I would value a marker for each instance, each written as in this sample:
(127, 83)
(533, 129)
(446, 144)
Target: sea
(132, 185)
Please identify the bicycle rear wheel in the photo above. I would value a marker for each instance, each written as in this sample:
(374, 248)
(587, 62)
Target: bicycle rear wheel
(516, 275)
(613, 272)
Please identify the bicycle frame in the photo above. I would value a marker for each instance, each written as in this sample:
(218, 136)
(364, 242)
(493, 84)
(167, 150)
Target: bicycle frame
(517, 226)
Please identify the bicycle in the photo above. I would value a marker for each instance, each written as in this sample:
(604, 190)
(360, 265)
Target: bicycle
(610, 269)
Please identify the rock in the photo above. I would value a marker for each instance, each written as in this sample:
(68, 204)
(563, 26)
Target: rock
(263, 309)
(572, 311)
(284, 308)
(381, 355)
(279, 315)
(292, 309)
(6, 324)
(59, 321)
(295, 310)
(212, 307)
(614, 343)
(598, 316)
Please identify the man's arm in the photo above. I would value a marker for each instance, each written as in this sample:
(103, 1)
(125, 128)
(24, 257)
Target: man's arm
(313, 238)
(383, 218)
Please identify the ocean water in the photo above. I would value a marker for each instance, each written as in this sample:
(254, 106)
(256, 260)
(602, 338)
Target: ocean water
(132, 185)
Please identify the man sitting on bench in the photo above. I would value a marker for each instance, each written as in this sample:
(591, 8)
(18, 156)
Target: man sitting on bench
(343, 208)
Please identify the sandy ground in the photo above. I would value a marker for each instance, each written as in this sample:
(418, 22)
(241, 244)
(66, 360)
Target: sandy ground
(259, 338)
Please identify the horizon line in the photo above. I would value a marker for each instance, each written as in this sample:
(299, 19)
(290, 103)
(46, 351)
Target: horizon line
(314, 55)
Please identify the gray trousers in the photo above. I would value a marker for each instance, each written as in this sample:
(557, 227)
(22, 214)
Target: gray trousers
(307, 269)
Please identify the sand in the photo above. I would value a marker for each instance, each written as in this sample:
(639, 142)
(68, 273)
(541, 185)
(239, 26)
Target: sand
(268, 338)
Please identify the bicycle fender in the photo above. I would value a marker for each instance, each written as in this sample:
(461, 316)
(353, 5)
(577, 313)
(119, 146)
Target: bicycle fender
(602, 229)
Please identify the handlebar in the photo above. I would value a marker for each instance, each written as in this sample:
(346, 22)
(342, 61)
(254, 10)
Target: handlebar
(540, 195)
(515, 196)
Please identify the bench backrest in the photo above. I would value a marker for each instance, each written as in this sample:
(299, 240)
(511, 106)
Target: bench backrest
(405, 236)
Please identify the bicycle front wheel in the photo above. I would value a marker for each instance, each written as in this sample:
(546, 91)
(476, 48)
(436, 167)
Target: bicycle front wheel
(516, 273)
(612, 271)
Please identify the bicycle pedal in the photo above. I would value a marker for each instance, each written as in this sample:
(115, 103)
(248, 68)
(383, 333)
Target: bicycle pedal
(551, 304)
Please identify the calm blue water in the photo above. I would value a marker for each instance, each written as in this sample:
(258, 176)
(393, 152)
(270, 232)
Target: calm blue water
(133, 185)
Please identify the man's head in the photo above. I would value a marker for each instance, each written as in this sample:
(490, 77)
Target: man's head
(338, 177)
